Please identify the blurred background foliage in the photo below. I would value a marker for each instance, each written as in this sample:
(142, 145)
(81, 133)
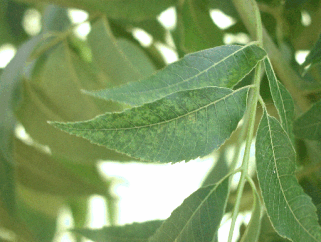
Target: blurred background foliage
(55, 58)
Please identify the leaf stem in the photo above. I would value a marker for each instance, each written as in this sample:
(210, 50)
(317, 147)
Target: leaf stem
(253, 100)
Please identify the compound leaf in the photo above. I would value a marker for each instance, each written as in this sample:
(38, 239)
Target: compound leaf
(282, 99)
(291, 211)
(222, 66)
(181, 126)
(308, 125)
(198, 218)
(138, 232)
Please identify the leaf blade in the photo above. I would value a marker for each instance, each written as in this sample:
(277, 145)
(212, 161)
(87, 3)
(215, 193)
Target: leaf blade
(171, 129)
(138, 232)
(222, 66)
(197, 218)
(282, 99)
(275, 158)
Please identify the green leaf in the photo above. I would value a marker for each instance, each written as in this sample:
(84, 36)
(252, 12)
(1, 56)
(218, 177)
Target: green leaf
(196, 29)
(110, 57)
(291, 211)
(314, 56)
(138, 232)
(252, 231)
(42, 172)
(198, 218)
(282, 100)
(54, 93)
(222, 66)
(307, 126)
(181, 126)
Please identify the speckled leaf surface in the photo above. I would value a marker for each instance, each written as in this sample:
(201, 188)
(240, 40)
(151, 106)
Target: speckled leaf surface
(182, 126)
(198, 218)
(282, 99)
(222, 66)
(291, 211)
(308, 125)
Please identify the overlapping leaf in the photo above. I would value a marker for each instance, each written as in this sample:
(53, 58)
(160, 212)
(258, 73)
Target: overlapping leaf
(314, 56)
(138, 232)
(196, 30)
(198, 218)
(222, 66)
(291, 211)
(282, 99)
(109, 56)
(308, 125)
(181, 126)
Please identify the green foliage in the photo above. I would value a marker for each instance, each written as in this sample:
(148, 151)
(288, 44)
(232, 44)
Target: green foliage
(110, 97)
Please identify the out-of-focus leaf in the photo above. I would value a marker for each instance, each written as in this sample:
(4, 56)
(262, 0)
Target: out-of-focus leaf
(182, 126)
(138, 232)
(222, 66)
(40, 171)
(39, 211)
(54, 94)
(11, 30)
(109, 57)
(12, 223)
(226, 6)
(79, 207)
(135, 10)
(137, 57)
(291, 211)
(198, 218)
(308, 125)
(196, 29)
(252, 231)
(314, 56)
(9, 94)
(282, 100)
(219, 170)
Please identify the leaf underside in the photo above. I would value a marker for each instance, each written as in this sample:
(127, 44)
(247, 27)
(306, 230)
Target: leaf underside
(198, 218)
(291, 211)
(282, 100)
(223, 66)
(181, 126)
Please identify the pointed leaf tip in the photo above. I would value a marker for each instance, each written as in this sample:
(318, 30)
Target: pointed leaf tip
(181, 126)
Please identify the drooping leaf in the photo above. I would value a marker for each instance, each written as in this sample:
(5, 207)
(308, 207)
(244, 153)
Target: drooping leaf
(291, 211)
(252, 231)
(282, 99)
(54, 93)
(181, 126)
(196, 29)
(198, 218)
(314, 56)
(308, 125)
(42, 172)
(109, 56)
(222, 66)
(138, 232)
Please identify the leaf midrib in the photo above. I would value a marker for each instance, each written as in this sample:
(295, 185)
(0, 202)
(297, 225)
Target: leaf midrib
(281, 187)
(169, 120)
(186, 80)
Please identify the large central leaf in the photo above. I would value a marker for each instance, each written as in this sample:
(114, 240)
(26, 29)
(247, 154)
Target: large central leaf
(181, 126)
(222, 66)
(289, 208)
